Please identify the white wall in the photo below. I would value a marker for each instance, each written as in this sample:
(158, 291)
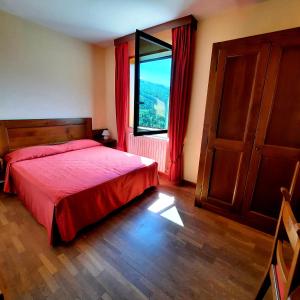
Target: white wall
(43, 74)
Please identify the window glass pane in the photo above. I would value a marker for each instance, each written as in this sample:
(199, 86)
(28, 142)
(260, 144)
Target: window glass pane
(153, 59)
(155, 77)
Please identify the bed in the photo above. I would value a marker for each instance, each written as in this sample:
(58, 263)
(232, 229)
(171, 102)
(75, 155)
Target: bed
(75, 183)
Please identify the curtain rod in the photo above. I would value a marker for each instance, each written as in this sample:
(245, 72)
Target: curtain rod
(190, 19)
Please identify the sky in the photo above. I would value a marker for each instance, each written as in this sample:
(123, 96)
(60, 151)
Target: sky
(157, 71)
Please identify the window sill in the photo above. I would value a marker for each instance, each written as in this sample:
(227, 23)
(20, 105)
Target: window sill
(162, 136)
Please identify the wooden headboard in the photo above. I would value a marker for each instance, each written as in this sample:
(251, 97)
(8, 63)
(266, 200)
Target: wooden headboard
(16, 134)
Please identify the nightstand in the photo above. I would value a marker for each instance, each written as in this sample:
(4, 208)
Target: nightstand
(108, 143)
(97, 136)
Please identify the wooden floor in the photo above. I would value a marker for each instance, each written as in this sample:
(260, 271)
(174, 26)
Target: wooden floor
(137, 253)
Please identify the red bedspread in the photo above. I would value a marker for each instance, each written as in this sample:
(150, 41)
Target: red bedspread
(77, 187)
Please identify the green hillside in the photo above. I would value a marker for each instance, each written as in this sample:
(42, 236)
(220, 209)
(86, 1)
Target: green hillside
(154, 107)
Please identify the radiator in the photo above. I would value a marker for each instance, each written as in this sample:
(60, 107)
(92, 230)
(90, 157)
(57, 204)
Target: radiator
(151, 147)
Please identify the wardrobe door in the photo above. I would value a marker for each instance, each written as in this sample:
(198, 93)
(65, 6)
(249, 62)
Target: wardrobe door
(233, 102)
(277, 142)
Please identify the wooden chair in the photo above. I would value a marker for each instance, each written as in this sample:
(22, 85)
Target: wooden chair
(294, 180)
(283, 278)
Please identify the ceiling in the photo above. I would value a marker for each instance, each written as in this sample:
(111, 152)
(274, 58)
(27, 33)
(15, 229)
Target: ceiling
(101, 21)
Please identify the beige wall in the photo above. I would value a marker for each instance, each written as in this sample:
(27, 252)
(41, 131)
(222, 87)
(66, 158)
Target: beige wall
(110, 90)
(43, 74)
(104, 89)
(259, 18)
(255, 19)
(99, 103)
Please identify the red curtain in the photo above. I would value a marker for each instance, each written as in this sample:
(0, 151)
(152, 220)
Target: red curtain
(122, 93)
(180, 94)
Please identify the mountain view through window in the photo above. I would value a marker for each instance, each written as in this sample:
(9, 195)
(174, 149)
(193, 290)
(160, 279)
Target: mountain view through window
(154, 93)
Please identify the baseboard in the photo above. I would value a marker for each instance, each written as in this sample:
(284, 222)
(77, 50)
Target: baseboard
(163, 175)
(189, 183)
(183, 183)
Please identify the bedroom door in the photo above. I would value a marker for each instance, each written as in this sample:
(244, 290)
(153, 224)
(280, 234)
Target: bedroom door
(233, 103)
(277, 142)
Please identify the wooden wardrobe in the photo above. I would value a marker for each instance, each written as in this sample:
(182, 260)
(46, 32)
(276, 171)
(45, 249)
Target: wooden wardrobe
(251, 134)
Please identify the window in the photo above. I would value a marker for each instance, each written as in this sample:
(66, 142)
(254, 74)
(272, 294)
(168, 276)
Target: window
(151, 70)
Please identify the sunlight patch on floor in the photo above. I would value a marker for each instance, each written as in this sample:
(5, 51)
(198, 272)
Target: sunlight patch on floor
(166, 208)
(172, 214)
(162, 203)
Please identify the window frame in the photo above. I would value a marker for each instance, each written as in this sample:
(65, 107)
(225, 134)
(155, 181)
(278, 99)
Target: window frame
(137, 63)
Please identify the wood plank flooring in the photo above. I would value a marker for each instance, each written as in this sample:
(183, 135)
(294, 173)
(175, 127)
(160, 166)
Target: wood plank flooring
(144, 251)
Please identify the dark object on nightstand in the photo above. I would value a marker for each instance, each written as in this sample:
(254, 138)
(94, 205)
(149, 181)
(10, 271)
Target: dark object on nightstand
(97, 136)
(1, 296)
